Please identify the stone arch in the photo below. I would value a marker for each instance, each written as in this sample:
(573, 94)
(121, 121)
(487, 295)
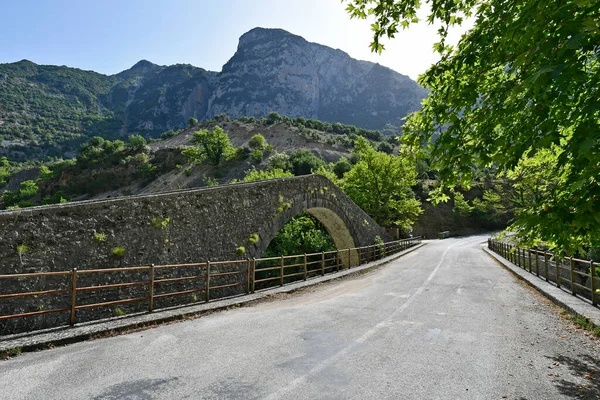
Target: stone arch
(336, 223)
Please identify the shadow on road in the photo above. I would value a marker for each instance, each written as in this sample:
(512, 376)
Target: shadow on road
(586, 370)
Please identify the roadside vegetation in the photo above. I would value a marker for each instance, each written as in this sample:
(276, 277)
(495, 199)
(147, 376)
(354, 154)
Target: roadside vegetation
(383, 177)
(527, 108)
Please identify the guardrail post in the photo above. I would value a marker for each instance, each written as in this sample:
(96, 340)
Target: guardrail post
(322, 263)
(247, 275)
(73, 295)
(151, 288)
(207, 281)
(337, 260)
(281, 277)
(529, 256)
(537, 264)
(349, 260)
(253, 273)
(557, 272)
(573, 277)
(592, 273)
(546, 265)
(305, 268)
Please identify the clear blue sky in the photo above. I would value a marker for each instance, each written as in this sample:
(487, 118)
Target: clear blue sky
(109, 36)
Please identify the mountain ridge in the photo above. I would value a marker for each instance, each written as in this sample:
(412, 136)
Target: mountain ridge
(48, 110)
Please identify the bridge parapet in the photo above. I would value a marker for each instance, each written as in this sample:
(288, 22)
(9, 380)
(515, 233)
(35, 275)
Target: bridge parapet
(193, 225)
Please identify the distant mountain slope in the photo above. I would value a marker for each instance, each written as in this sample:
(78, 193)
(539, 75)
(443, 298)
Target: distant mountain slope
(273, 70)
(50, 110)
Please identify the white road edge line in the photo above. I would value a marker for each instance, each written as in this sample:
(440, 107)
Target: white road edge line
(318, 368)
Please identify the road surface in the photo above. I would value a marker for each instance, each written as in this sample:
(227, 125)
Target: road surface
(444, 322)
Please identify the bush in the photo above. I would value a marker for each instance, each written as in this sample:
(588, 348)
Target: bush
(303, 162)
(385, 147)
(341, 167)
(256, 155)
(192, 121)
(257, 142)
(279, 161)
(136, 143)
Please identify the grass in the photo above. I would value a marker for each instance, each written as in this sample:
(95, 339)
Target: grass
(119, 312)
(10, 353)
(582, 322)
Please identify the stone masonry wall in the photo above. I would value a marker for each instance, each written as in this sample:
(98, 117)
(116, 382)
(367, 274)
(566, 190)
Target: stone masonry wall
(187, 226)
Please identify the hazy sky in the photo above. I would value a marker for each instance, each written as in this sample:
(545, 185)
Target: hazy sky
(109, 36)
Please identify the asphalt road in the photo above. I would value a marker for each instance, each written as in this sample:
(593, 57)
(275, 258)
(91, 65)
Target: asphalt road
(444, 322)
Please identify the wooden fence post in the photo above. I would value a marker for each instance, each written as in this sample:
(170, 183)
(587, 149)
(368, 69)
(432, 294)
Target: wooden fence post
(207, 281)
(253, 273)
(592, 273)
(305, 268)
(573, 277)
(151, 288)
(546, 265)
(557, 272)
(73, 295)
(322, 263)
(247, 275)
(282, 271)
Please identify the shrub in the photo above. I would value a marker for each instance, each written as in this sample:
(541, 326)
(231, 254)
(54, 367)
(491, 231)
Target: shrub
(256, 155)
(136, 143)
(118, 251)
(257, 142)
(304, 162)
(341, 167)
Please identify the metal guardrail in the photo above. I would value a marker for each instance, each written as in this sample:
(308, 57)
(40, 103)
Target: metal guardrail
(266, 272)
(546, 266)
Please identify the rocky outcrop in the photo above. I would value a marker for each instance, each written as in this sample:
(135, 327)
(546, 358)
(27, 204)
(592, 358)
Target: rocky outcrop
(272, 70)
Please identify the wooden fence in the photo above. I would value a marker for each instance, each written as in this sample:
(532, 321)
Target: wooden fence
(578, 276)
(246, 276)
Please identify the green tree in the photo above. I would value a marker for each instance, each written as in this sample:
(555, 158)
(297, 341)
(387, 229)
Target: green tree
(303, 234)
(280, 161)
(192, 121)
(258, 141)
(303, 162)
(385, 147)
(213, 147)
(273, 118)
(525, 78)
(341, 167)
(22, 198)
(136, 143)
(256, 155)
(381, 185)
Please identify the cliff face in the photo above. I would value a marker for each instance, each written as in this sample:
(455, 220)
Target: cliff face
(273, 70)
(49, 110)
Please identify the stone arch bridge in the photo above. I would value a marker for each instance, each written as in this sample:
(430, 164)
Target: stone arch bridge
(192, 225)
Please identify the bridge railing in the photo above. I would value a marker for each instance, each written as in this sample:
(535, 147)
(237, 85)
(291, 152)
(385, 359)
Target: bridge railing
(78, 293)
(579, 276)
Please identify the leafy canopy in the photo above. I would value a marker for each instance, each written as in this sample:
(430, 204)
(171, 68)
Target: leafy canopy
(381, 183)
(525, 79)
(212, 147)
